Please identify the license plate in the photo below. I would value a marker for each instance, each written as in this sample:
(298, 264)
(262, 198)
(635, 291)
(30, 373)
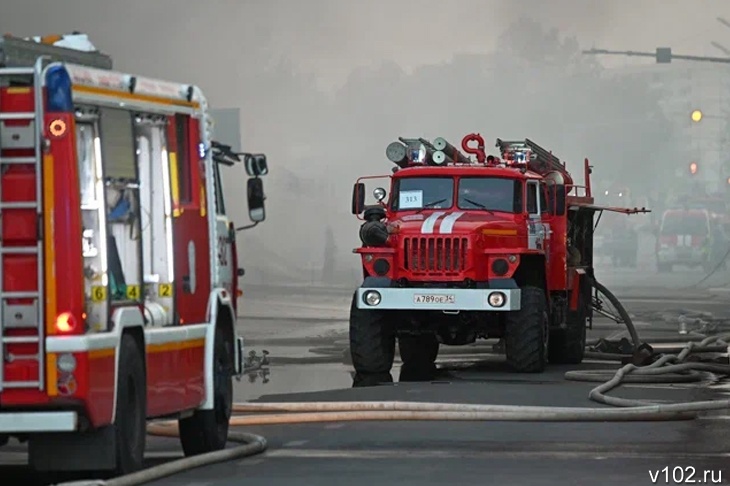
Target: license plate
(434, 299)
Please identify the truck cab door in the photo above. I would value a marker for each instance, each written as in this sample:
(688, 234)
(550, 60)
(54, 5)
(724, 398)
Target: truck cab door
(225, 252)
(537, 229)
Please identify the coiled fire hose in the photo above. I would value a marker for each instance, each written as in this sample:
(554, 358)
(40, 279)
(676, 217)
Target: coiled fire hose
(667, 369)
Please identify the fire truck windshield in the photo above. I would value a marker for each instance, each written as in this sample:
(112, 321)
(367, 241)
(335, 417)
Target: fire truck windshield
(476, 193)
(491, 193)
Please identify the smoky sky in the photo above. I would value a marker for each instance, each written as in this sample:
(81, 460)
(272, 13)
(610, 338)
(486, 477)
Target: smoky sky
(331, 37)
(283, 61)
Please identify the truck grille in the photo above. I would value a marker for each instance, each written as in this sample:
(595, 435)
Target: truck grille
(435, 254)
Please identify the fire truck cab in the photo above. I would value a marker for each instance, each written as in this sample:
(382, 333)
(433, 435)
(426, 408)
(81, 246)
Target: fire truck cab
(118, 262)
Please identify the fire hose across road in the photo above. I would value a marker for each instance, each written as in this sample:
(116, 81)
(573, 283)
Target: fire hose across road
(668, 368)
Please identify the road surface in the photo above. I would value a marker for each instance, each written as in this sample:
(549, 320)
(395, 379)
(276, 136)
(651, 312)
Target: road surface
(306, 336)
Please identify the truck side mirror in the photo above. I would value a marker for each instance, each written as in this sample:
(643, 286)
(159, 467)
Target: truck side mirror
(256, 165)
(358, 198)
(256, 210)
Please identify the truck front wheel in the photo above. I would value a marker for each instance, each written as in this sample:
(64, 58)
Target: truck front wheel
(526, 333)
(372, 341)
(207, 430)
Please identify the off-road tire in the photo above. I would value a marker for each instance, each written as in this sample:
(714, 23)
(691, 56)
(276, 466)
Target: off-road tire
(418, 350)
(526, 333)
(567, 346)
(207, 430)
(130, 422)
(372, 340)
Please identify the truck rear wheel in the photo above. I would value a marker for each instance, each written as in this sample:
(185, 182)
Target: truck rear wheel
(207, 430)
(419, 350)
(372, 340)
(130, 422)
(567, 346)
(526, 333)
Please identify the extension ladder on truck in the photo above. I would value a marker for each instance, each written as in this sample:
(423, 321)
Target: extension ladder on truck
(22, 308)
(22, 300)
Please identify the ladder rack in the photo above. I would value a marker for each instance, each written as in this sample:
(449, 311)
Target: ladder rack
(17, 52)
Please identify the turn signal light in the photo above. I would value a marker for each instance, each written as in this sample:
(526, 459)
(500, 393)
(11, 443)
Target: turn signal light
(57, 128)
(65, 323)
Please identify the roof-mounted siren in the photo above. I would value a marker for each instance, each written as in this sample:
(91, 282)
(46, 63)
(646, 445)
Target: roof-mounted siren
(419, 151)
(447, 153)
(516, 152)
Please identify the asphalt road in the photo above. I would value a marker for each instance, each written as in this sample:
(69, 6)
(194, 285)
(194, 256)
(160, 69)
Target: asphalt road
(305, 334)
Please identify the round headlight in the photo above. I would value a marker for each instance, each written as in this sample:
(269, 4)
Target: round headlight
(379, 193)
(372, 297)
(497, 299)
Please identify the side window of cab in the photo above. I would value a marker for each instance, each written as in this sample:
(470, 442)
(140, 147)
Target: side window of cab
(532, 198)
(544, 204)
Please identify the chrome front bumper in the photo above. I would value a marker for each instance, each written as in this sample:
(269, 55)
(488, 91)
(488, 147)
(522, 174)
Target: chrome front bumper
(37, 422)
(438, 299)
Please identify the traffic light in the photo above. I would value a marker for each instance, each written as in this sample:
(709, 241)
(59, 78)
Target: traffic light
(693, 168)
(696, 116)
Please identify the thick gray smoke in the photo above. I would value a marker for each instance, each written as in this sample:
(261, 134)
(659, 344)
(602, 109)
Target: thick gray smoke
(324, 86)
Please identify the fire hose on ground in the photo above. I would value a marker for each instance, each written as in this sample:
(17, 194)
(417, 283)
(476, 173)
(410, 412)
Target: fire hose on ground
(667, 368)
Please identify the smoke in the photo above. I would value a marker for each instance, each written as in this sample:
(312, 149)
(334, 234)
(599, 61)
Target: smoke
(325, 85)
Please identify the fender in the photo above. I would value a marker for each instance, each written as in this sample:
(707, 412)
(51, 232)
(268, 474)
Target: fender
(122, 318)
(218, 297)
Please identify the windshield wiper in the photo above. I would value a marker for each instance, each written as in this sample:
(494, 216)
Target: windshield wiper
(432, 203)
(479, 205)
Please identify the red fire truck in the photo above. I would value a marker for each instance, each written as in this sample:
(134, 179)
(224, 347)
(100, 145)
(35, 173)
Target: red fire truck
(118, 266)
(500, 247)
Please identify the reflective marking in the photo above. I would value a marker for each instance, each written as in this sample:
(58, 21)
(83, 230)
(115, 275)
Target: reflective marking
(447, 224)
(427, 226)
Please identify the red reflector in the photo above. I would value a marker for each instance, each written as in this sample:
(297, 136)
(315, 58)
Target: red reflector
(65, 323)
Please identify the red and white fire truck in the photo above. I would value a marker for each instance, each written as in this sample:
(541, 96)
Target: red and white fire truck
(118, 271)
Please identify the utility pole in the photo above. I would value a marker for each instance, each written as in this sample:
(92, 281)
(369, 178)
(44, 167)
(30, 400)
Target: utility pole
(664, 55)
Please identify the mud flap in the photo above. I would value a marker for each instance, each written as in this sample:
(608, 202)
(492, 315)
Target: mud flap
(238, 357)
(87, 451)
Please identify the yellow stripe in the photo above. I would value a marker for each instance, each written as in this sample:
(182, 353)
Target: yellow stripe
(177, 346)
(101, 353)
(48, 232)
(174, 187)
(18, 90)
(499, 232)
(203, 210)
(134, 97)
(52, 375)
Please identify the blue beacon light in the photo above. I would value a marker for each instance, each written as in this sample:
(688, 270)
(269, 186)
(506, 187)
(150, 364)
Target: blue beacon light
(58, 90)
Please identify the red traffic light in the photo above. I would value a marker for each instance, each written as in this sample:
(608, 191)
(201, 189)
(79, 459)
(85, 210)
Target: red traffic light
(693, 168)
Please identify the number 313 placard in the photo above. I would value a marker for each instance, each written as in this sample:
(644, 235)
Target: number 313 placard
(410, 199)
